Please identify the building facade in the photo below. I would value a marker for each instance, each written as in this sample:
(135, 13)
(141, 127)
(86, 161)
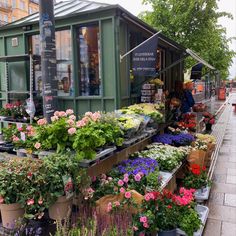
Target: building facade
(12, 10)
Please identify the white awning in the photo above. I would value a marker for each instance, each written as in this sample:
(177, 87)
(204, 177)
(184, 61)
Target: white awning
(199, 59)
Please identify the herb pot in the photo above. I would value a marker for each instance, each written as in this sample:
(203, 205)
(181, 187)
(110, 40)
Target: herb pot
(61, 208)
(167, 233)
(10, 214)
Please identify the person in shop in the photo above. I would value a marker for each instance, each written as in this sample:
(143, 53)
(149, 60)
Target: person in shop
(187, 100)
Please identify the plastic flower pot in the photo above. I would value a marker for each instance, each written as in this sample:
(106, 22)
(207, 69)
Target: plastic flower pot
(61, 208)
(10, 214)
(167, 233)
(208, 127)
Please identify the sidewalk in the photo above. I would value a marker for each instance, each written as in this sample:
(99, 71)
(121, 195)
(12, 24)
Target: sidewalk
(222, 202)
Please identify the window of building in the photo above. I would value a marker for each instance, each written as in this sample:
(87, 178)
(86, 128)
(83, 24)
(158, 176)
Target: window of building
(64, 62)
(13, 2)
(88, 54)
(13, 18)
(31, 10)
(22, 5)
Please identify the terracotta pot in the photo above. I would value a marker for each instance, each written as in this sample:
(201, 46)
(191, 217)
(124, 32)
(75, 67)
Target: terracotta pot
(10, 214)
(61, 208)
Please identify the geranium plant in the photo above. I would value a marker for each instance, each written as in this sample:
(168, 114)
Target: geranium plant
(196, 177)
(208, 118)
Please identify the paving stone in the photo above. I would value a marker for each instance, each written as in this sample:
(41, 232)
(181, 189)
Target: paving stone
(220, 170)
(212, 228)
(222, 213)
(231, 179)
(232, 158)
(228, 229)
(226, 164)
(230, 200)
(223, 188)
(219, 178)
(217, 198)
(231, 171)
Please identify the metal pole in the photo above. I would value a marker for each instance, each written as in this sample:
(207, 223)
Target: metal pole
(122, 56)
(48, 57)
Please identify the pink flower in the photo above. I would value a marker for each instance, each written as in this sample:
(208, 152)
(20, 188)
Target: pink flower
(126, 179)
(54, 118)
(56, 113)
(62, 114)
(69, 112)
(30, 202)
(90, 191)
(120, 182)
(80, 124)
(15, 138)
(135, 228)
(137, 177)
(85, 120)
(117, 203)
(122, 190)
(109, 178)
(20, 129)
(147, 197)
(37, 145)
(143, 219)
(141, 234)
(70, 122)
(126, 175)
(145, 225)
(128, 195)
(72, 117)
(94, 178)
(89, 114)
(1, 200)
(29, 175)
(71, 131)
(42, 122)
(96, 116)
(40, 201)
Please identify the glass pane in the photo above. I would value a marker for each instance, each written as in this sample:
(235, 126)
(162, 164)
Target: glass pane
(89, 83)
(64, 62)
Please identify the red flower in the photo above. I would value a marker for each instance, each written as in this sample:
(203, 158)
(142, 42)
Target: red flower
(196, 172)
(169, 206)
(29, 175)
(203, 168)
(69, 186)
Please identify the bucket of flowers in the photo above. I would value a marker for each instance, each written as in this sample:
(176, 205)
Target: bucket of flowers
(209, 120)
(197, 178)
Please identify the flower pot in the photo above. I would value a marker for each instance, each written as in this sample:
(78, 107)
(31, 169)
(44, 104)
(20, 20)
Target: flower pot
(208, 127)
(167, 233)
(61, 208)
(10, 214)
(21, 153)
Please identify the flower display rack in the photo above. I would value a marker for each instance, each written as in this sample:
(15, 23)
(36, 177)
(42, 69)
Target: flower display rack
(106, 153)
(203, 212)
(202, 194)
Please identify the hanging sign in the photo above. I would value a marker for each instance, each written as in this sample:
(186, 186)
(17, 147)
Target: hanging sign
(145, 58)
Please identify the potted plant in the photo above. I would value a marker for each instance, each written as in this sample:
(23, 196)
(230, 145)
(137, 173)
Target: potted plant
(197, 178)
(13, 177)
(60, 171)
(187, 215)
(209, 120)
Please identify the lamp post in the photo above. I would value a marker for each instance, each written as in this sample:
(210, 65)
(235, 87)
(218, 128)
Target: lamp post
(48, 57)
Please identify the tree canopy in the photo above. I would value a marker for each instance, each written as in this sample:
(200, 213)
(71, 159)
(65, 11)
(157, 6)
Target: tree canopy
(194, 24)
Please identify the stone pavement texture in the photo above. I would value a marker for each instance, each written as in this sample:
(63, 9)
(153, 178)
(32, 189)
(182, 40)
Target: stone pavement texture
(222, 202)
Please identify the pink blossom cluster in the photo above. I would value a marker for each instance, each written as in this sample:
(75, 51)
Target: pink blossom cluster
(37, 145)
(93, 116)
(149, 196)
(144, 220)
(110, 205)
(71, 131)
(15, 139)
(88, 193)
(42, 122)
(185, 198)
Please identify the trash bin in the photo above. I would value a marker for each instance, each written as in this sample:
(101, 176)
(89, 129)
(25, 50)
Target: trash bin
(222, 93)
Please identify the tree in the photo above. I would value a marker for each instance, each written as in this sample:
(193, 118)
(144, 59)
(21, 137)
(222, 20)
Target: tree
(193, 23)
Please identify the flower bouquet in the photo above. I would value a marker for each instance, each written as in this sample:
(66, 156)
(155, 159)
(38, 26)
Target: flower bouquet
(209, 120)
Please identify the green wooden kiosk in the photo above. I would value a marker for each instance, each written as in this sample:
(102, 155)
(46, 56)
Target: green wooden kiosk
(90, 37)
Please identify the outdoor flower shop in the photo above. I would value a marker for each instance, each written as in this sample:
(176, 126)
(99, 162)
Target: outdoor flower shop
(101, 166)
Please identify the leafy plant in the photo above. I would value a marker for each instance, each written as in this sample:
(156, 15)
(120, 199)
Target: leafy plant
(196, 178)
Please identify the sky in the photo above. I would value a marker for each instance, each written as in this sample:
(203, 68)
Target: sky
(135, 7)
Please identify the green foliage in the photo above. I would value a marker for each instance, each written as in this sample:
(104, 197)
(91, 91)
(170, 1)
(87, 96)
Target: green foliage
(189, 221)
(194, 25)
